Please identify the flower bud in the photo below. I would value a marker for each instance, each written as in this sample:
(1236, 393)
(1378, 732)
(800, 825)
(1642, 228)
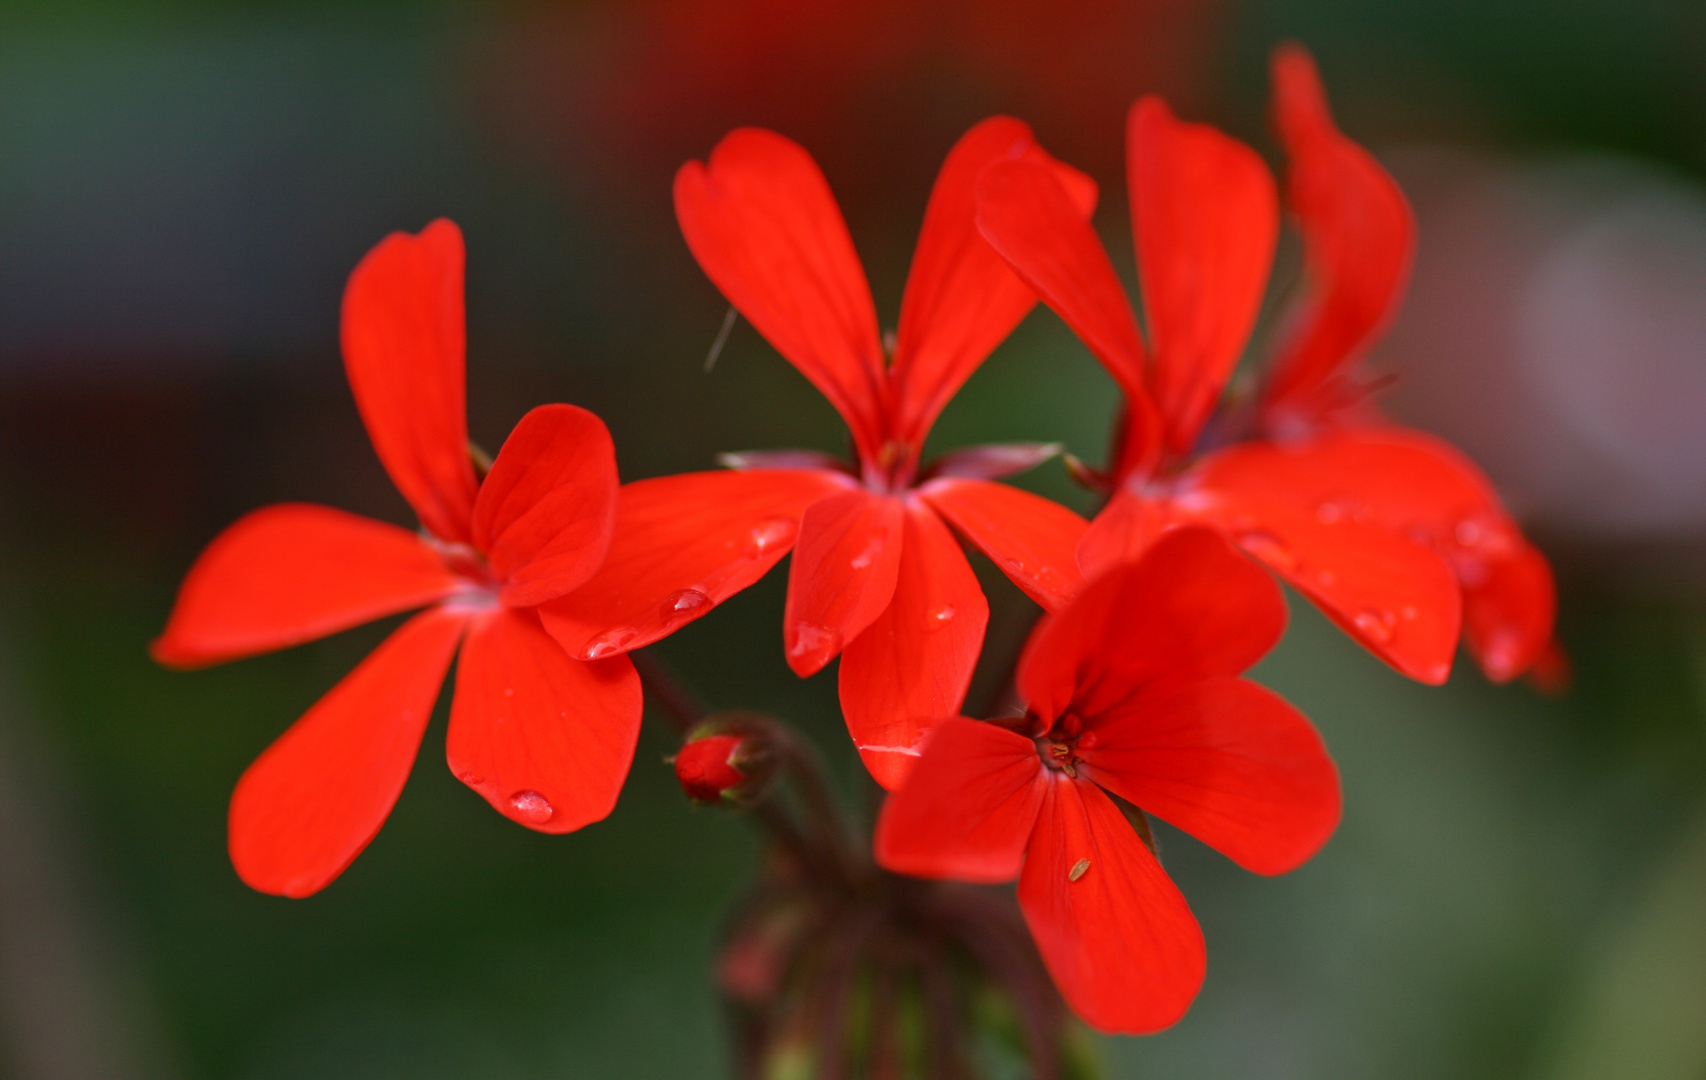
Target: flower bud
(706, 767)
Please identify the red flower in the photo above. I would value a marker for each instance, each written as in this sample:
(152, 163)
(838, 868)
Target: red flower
(1391, 532)
(545, 738)
(1132, 690)
(876, 577)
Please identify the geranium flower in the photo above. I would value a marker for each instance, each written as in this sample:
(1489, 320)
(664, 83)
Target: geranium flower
(546, 739)
(877, 577)
(1133, 691)
(1391, 532)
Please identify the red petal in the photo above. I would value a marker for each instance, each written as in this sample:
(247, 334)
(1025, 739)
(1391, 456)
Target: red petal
(546, 510)
(845, 563)
(683, 545)
(547, 740)
(1424, 489)
(1031, 220)
(309, 805)
(1113, 929)
(1352, 521)
(1229, 762)
(404, 343)
(967, 809)
(764, 226)
(292, 573)
(1192, 608)
(1405, 480)
(1033, 540)
(911, 667)
(1393, 595)
(1508, 616)
(1358, 236)
(961, 298)
(1205, 215)
(1122, 532)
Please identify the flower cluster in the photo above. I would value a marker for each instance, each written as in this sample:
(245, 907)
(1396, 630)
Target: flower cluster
(542, 572)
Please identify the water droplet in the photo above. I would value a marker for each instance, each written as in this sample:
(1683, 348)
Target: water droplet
(1326, 578)
(814, 639)
(1499, 657)
(770, 534)
(509, 691)
(1410, 613)
(472, 779)
(1268, 548)
(869, 555)
(684, 603)
(1079, 869)
(941, 617)
(1335, 510)
(532, 807)
(1470, 532)
(609, 643)
(1376, 624)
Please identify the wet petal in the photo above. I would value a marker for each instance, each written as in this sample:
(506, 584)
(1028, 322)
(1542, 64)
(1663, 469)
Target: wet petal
(846, 560)
(1032, 539)
(911, 667)
(546, 739)
(682, 545)
(1508, 614)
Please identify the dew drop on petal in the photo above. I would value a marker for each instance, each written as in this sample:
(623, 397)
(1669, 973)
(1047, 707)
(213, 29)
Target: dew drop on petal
(609, 643)
(1377, 625)
(770, 534)
(1500, 654)
(869, 555)
(814, 639)
(531, 807)
(686, 602)
(1410, 613)
(1335, 510)
(1079, 869)
(1326, 579)
(1268, 548)
(941, 617)
(472, 779)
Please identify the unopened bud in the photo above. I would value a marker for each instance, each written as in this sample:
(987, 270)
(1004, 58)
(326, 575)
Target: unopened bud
(706, 767)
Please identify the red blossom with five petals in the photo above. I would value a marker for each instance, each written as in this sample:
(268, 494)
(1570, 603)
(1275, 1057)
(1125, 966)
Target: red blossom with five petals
(545, 738)
(1391, 532)
(1131, 691)
(877, 576)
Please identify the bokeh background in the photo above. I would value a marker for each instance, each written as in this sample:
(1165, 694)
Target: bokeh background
(1519, 885)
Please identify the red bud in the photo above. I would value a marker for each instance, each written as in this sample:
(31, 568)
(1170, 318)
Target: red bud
(705, 770)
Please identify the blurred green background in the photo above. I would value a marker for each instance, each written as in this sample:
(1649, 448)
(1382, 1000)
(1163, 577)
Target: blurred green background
(1519, 885)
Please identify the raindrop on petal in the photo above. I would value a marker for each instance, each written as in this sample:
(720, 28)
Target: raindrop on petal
(1377, 625)
(941, 617)
(684, 603)
(531, 807)
(1268, 548)
(609, 643)
(813, 639)
(770, 534)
